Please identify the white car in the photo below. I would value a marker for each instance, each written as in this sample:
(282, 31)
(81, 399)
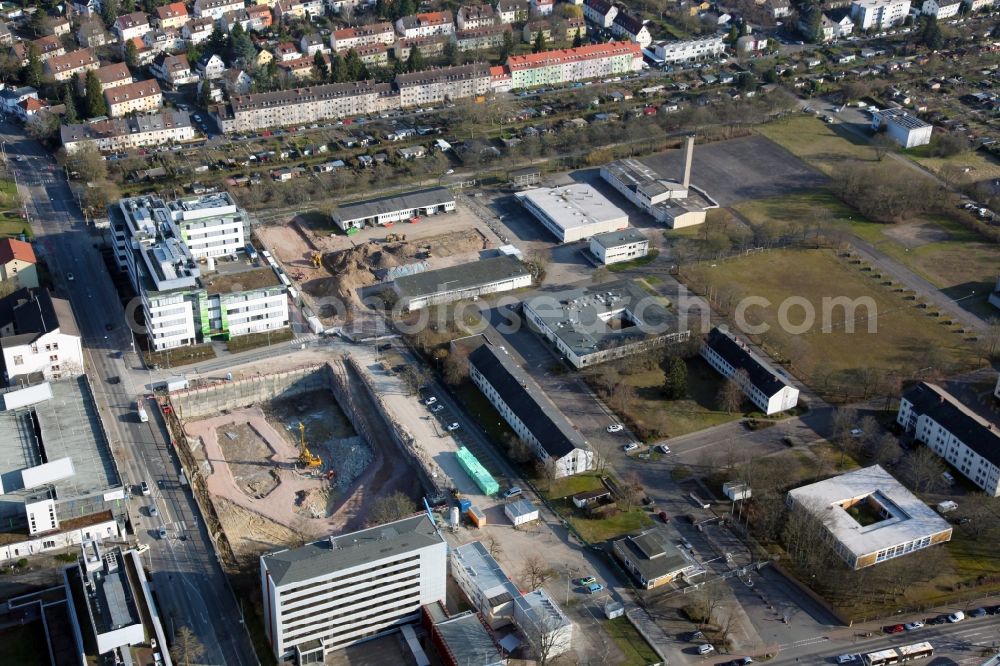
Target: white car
(856, 433)
(453, 426)
(663, 448)
(957, 616)
(706, 648)
(630, 447)
(910, 626)
(615, 427)
(846, 658)
(430, 401)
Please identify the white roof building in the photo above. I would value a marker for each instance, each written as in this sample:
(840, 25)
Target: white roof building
(573, 212)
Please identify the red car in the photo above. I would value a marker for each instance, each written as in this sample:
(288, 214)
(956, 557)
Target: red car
(894, 629)
(664, 517)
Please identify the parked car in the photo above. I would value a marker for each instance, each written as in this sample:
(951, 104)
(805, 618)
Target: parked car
(664, 517)
(630, 447)
(856, 433)
(663, 448)
(162, 532)
(513, 491)
(693, 636)
(742, 661)
(979, 612)
(453, 426)
(594, 588)
(847, 658)
(114, 379)
(615, 427)
(706, 648)
(586, 580)
(893, 629)
(152, 510)
(144, 488)
(437, 408)
(430, 401)
(940, 619)
(69, 277)
(957, 616)
(910, 626)
(993, 610)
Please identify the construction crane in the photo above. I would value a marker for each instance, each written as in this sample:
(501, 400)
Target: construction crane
(305, 455)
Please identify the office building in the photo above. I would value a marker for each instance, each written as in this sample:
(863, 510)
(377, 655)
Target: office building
(869, 517)
(763, 385)
(160, 245)
(613, 247)
(398, 208)
(345, 589)
(655, 557)
(529, 412)
(591, 325)
(462, 281)
(484, 583)
(573, 212)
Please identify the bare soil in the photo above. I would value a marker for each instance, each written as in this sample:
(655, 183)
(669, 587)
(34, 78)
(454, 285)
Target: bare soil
(249, 458)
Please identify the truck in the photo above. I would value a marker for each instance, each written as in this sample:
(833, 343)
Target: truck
(143, 417)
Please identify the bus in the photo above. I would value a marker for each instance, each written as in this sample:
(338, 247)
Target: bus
(900, 655)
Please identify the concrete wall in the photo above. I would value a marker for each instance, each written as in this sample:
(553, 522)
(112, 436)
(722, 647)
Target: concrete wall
(209, 400)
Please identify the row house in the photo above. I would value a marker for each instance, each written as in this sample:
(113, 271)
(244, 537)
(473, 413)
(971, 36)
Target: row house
(197, 30)
(480, 39)
(439, 85)
(65, 67)
(600, 12)
(173, 70)
(130, 26)
(350, 38)
(476, 16)
(429, 23)
(214, 9)
(429, 46)
(138, 97)
(513, 11)
(47, 47)
(500, 80)
(174, 15)
(115, 134)
(249, 113)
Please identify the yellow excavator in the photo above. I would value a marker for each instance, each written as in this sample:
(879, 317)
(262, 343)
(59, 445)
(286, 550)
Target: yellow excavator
(317, 259)
(306, 456)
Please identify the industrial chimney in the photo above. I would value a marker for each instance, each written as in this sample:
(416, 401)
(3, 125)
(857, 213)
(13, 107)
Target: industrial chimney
(688, 158)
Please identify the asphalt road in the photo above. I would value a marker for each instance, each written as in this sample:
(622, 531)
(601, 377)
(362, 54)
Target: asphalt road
(189, 584)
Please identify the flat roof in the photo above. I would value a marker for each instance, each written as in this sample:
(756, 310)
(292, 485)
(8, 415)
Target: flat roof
(584, 318)
(361, 210)
(484, 572)
(572, 206)
(336, 553)
(462, 276)
(467, 639)
(70, 428)
(521, 507)
(613, 239)
(970, 428)
(909, 518)
(242, 280)
(655, 552)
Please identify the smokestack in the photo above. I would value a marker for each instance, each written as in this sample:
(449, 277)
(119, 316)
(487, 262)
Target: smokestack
(688, 157)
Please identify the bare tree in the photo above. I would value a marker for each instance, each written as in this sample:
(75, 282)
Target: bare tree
(392, 507)
(981, 510)
(546, 636)
(989, 341)
(924, 469)
(535, 571)
(730, 396)
(456, 365)
(187, 649)
(631, 490)
(882, 145)
(883, 449)
(493, 545)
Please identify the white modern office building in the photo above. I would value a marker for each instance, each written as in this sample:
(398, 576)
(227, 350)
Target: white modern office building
(573, 212)
(529, 412)
(617, 246)
(967, 441)
(345, 589)
(763, 385)
(162, 244)
(905, 129)
(879, 13)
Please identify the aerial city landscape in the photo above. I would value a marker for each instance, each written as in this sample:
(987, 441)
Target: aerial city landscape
(386, 332)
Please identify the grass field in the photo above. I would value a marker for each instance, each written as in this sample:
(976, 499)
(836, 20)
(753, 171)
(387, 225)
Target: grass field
(243, 343)
(819, 144)
(594, 530)
(952, 258)
(964, 169)
(11, 222)
(180, 355)
(828, 357)
(637, 651)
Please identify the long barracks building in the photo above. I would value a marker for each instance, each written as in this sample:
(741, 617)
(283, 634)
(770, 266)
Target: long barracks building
(248, 113)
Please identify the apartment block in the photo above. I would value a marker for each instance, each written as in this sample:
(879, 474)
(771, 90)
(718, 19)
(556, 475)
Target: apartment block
(762, 384)
(66, 66)
(687, 50)
(362, 35)
(39, 337)
(591, 61)
(214, 9)
(138, 97)
(115, 134)
(433, 86)
(879, 13)
(426, 24)
(161, 244)
(344, 589)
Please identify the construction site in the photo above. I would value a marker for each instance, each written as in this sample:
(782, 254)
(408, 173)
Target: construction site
(278, 458)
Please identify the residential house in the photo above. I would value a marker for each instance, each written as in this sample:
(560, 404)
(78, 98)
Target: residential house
(11, 98)
(426, 24)
(766, 388)
(513, 11)
(529, 33)
(264, 57)
(214, 9)
(211, 67)
(236, 81)
(373, 55)
(61, 26)
(286, 51)
(173, 70)
(529, 412)
(967, 441)
(6, 36)
(138, 97)
(92, 34)
(17, 263)
(86, 8)
(65, 67)
(476, 16)
(300, 68)
(109, 76)
(312, 44)
(41, 339)
(481, 39)
(943, 9)
(230, 20)
(843, 27)
(260, 17)
(542, 7)
(429, 46)
(374, 33)
(47, 47)
(631, 27)
(29, 108)
(287, 10)
(197, 30)
(116, 134)
(159, 41)
(567, 30)
(174, 15)
(779, 9)
(600, 12)
(130, 26)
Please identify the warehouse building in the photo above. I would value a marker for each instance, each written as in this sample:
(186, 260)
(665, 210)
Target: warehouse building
(461, 640)
(389, 210)
(761, 383)
(590, 325)
(675, 203)
(345, 589)
(870, 517)
(573, 212)
(531, 414)
(906, 130)
(616, 246)
(964, 439)
(454, 283)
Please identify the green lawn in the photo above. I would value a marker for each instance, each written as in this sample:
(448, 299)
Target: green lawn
(11, 222)
(826, 355)
(571, 485)
(637, 651)
(825, 147)
(599, 530)
(635, 263)
(180, 355)
(949, 256)
(963, 169)
(243, 343)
